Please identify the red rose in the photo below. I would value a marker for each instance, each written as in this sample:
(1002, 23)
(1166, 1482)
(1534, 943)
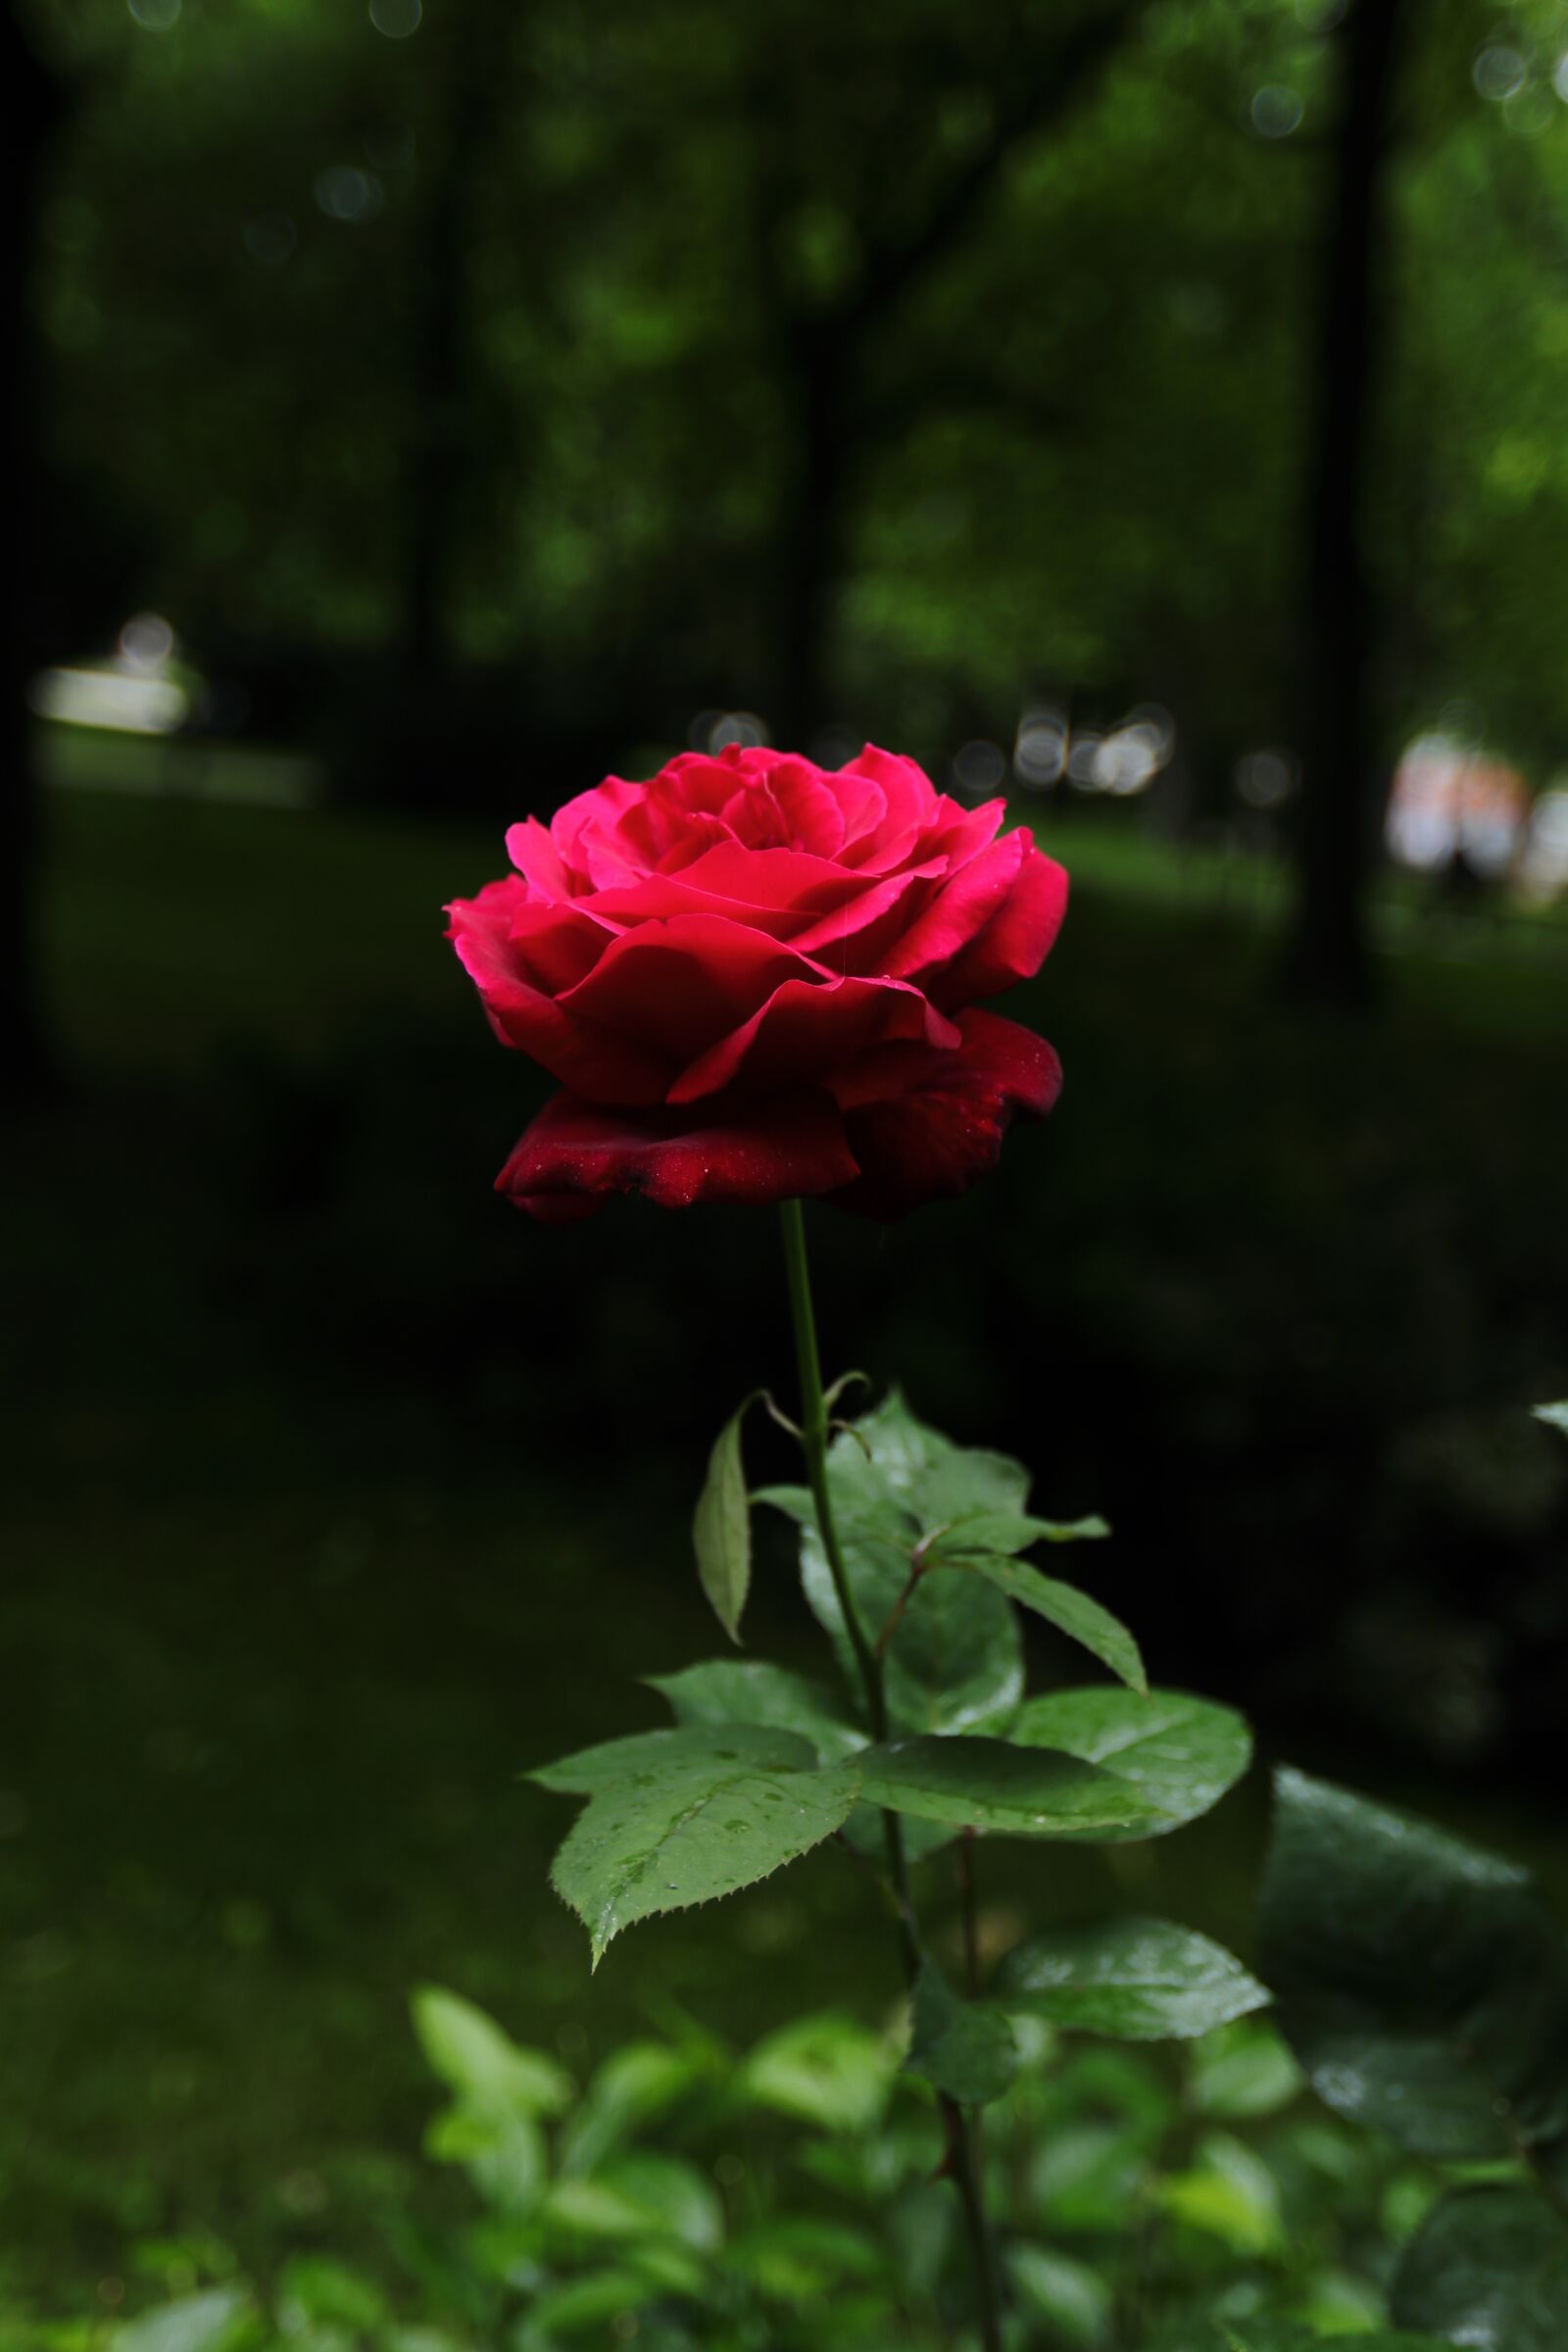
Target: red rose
(751, 978)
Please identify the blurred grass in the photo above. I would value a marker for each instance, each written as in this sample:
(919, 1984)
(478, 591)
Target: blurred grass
(303, 1573)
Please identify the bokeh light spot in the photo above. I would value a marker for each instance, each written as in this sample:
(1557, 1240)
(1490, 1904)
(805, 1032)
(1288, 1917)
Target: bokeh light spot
(155, 16)
(345, 193)
(1500, 71)
(396, 18)
(270, 239)
(1276, 110)
(979, 768)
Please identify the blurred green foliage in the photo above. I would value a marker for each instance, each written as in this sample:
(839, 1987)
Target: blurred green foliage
(599, 346)
(784, 2198)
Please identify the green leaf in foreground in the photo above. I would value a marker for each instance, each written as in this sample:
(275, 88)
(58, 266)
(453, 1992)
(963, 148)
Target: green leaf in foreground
(990, 1784)
(752, 1690)
(1489, 2269)
(618, 1762)
(1421, 1984)
(1014, 1530)
(1071, 1611)
(721, 1529)
(1136, 1980)
(1555, 1416)
(965, 2048)
(716, 1811)
(954, 1656)
(1177, 1754)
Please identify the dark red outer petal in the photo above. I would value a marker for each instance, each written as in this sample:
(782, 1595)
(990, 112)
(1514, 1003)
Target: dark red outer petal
(925, 1124)
(577, 1154)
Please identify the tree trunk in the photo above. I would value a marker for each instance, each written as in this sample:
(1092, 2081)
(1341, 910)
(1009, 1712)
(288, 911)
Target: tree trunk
(809, 542)
(1329, 960)
(25, 1063)
(825, 352)
(442, 448)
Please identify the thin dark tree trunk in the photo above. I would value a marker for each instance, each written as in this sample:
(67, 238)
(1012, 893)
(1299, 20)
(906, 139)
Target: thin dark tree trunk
(1329, 959)
(808, 550)
(36, 110)
(441, 453)
(824, 362)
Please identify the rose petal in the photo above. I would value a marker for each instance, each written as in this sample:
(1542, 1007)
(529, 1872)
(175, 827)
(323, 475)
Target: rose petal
(553, 947)
(963, 906)
(924, 1125)
(531, 847)
(679, 985)
(1016, 940)
(660, 895)
(577, 1052)
(808, 1030)
(810, 804)
(911, 802)
(577, 1154)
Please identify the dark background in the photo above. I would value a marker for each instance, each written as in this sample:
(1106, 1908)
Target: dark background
(492, 397)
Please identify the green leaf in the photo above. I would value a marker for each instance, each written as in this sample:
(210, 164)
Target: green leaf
(1287, 2335)
(314, 2290)
(1013, 1531)
(1242, 2073)
(615, 1762)
(503, 2155)
(958, 1481)
(892, 1460)
(866, 1833)
(474, 2057)
(794, 1501)
(955, 1656)
(1176, 1754)
(797, 2259)
(1071, 1612)
(716, 1811)
(751, 1690)
(1420, 1982)
(1489, 2269)
(990, 1784)
(721, 1529)
(1136, 1980)
(965, 2048)
(1228, 2192)
(936, 1478)
(1555, 1416)
(203, 2323)
(635, 2084)
(1071, 2297)
(642, 2193)
(584, 2306)
(825, 2070)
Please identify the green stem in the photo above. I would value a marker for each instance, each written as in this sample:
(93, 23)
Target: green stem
(961, 2156)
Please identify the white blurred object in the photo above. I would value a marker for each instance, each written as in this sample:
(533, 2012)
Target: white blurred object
(1543, 869)
(108, 698)
(1450, 799)
(133, 695)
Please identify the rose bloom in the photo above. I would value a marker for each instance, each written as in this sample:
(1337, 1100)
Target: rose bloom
(754, 978)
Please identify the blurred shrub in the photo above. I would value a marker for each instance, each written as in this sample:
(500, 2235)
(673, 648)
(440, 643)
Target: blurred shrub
(789, 2200)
